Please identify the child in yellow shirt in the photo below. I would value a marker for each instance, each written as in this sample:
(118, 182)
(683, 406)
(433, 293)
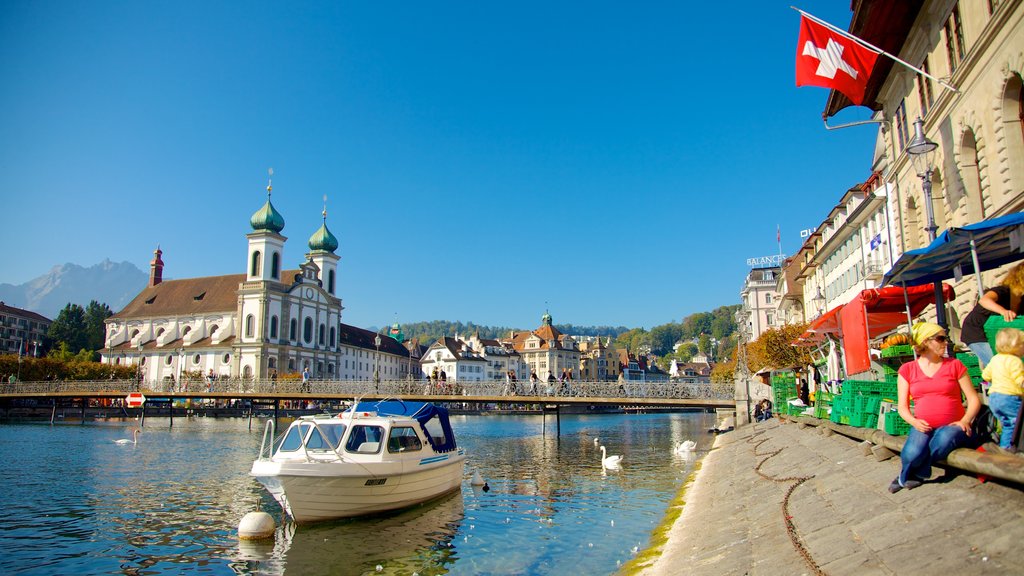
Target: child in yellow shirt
(1006, 374)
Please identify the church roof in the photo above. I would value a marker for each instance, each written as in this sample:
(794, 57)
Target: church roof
(323, 240)
(361, 338)
(267, 218)
(186, 296)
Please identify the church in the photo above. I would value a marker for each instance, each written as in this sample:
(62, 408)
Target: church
(265, 322)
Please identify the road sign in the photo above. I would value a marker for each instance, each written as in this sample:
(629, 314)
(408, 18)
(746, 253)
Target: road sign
(134, 400)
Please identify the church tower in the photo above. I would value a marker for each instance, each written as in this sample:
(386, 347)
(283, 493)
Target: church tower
(322, 245)
(266, 244)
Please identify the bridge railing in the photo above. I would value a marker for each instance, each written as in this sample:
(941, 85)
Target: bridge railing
(354, 388)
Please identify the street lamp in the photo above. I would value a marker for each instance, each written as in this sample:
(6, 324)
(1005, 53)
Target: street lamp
(376, 364)
(819, 302)
(922, 156)
(138, 368)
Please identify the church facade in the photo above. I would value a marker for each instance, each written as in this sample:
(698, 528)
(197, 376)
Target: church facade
(265, 322)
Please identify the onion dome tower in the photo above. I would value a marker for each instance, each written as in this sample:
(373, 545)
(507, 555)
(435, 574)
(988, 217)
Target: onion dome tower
(266, 244)
(322, 245)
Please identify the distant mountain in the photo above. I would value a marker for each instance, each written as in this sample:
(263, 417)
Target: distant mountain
(112, 283)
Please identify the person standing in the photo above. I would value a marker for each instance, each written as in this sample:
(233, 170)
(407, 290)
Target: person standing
(305, 379)
(1006, 374)
(939, 423)
(1006, 300)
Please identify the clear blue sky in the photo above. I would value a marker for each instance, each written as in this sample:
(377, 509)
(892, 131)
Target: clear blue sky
(613, 162)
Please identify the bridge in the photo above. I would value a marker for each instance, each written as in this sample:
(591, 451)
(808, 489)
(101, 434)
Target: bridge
(269, 394)
(663, 394)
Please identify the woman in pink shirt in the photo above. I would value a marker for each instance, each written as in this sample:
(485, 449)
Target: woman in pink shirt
(939, 422)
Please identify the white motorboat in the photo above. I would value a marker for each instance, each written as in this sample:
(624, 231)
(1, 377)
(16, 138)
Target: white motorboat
(374, 457)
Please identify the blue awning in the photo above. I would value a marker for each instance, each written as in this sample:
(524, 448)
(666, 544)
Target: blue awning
(995, 242)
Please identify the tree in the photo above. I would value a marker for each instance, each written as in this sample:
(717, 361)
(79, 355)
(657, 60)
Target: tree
(774, 349)
(95, 328)
(663, 338)
(704, 344)
(69, 328)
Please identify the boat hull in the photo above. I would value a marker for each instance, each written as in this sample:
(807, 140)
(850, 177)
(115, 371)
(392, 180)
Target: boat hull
(316, 491)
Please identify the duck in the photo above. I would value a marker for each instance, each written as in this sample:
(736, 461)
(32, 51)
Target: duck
(134, 440)
(610, 461)
(685, 446)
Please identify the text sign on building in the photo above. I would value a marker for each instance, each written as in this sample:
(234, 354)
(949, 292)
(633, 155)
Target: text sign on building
(775, 260)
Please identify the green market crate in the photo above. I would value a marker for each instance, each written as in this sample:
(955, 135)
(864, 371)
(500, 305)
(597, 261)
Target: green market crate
(822, 412)
(969, 360)
(995, 323)
(897, 351)
(864, 420)
(895, 424)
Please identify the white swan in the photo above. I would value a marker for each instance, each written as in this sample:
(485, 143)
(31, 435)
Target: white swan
(685, 447)
(610, 461)
(134, 440)
(596, 441)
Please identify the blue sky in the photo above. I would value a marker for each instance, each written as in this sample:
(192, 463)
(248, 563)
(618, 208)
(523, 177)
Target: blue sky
(613, 162)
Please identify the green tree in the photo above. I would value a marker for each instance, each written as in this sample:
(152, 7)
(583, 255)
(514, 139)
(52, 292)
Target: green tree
(663, 338)
(704, 344)
(95, 328)
(69, 328)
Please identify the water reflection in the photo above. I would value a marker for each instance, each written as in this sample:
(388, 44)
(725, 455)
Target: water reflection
(172, 503)
(418, 540)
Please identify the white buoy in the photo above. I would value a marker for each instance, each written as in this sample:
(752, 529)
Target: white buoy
(256, 526)
(477, 479)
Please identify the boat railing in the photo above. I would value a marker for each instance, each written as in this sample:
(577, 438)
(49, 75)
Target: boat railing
(268, 431)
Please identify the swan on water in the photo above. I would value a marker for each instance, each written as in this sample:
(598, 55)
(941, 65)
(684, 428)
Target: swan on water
(597, 441)
(134, 440)
(610, 461)
(685, 446)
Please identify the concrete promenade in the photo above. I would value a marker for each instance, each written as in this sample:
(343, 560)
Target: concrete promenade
(841, 517)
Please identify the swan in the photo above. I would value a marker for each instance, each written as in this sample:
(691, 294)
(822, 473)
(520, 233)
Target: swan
(597, 441)
(685, 446)
(134, 440)
(609, 461)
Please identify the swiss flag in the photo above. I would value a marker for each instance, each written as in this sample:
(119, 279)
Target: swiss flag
(829, 59)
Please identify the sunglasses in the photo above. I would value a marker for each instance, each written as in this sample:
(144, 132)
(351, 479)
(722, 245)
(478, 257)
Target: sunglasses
(940, 338)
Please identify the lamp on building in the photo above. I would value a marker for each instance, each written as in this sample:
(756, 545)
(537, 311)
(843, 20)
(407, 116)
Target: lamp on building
(376, 364)
(921, 151)
(819, 302)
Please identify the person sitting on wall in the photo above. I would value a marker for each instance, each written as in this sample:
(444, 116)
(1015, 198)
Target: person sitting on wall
(939, 423)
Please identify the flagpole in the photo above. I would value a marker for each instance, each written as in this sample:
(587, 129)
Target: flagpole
(874, 48)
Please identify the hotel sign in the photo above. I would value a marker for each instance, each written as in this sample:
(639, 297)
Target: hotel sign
(775, 260)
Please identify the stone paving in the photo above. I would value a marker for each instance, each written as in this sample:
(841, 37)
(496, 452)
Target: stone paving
(843, 515)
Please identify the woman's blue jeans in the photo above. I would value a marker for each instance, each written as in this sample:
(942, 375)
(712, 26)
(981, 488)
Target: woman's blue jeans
(1005, 407)
(921, 450)
(983, 351)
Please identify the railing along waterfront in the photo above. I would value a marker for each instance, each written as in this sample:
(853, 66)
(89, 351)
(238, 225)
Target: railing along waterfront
(357, 388)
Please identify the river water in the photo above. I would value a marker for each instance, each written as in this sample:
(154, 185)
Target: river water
(79, 503)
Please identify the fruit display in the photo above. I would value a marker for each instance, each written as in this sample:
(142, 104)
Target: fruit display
(898, 339)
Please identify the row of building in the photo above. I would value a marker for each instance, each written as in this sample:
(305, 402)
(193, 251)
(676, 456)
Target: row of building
(269, 321)
(976, 172)
(22, 332)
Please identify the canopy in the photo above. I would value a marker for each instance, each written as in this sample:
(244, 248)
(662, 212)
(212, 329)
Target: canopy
(873, 311)
(995, 242)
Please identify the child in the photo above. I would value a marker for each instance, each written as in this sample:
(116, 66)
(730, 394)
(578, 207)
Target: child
(1006, 374)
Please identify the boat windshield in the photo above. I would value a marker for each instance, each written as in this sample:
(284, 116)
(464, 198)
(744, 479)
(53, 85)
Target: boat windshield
(329, 439)
(365, 439)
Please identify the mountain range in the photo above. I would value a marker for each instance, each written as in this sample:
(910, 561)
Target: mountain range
(112, 283)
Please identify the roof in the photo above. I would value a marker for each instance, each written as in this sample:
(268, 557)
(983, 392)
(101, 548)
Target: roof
(886, 24)
(190, 296)
(24, 313)
(361, 338)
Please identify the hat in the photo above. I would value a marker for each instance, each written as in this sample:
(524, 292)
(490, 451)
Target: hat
(924, 330)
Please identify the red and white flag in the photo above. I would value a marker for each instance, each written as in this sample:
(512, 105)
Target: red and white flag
(829, 59)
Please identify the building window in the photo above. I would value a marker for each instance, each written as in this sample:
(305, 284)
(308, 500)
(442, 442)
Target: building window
(197, 359)
(332, 337)
(273, 326)
(902, 130)
(321, 335)
(954, 39)
(275, 266)
(307, 330)
(227, 358)
(250, 323)
(767, 298)
(255, 264)
(292, 327)
(169, 360)
(330, 281)
(291, 365)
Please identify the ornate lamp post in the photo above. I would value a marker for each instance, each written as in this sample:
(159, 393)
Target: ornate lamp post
(376, 364)
(921, 151)
(819, 302)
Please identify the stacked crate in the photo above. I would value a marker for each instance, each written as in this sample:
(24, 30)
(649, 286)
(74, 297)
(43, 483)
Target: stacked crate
(823, 404)
(973, 367)
(859, 402)
(784, 389)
